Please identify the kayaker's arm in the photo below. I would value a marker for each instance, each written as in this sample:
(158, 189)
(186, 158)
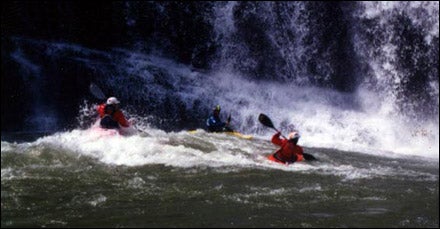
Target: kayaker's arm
(119, 117)
(276, 139)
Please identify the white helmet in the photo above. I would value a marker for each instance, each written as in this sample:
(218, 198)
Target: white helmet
(293, 135)
(112, 100)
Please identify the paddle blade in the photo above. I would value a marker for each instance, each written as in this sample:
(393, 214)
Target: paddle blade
(309, 157)
(265, 120)
(96, 91)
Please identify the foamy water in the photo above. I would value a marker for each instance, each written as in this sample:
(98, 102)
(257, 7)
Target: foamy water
(189, 150)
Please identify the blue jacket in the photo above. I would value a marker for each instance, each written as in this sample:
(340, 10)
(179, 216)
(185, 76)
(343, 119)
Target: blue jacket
(214, 124)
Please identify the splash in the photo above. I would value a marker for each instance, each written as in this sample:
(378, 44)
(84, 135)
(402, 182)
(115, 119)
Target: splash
(386, 101)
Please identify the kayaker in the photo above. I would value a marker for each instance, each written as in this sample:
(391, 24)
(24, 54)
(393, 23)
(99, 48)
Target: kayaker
(111, 114)
(214, 123)
(290, 151)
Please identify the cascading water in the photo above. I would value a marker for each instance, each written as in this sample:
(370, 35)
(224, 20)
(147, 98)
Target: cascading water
(42, 115)
(389, 91)
(352, 76)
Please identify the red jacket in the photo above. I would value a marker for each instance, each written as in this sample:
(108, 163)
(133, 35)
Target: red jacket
(287, 151)
(118, 116)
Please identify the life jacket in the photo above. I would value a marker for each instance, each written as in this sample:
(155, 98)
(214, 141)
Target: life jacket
(116, 116)
(214, 124)
(289, 152)
(119, 117)
(101, 110)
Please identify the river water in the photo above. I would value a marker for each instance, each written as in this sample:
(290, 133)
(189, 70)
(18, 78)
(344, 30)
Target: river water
(181, 179)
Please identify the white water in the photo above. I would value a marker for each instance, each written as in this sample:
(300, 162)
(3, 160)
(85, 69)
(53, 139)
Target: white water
(361, 122)
(364, 121)
(367, 120)
(220, 152)
(325, 120)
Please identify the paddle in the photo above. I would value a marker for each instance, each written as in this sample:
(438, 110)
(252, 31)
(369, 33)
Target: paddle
(96, 91)
(265, 120)
(227, 128)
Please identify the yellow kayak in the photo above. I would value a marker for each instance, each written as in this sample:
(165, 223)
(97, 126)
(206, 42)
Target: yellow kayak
(234, 133)
(240, 135)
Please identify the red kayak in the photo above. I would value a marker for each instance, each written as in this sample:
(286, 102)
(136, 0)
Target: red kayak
(101, 132)
(123, 131)
(306, 157)
(272, 158)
